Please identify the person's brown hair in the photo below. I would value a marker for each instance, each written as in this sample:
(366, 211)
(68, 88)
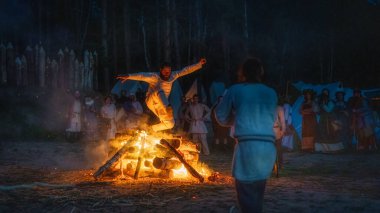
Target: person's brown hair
(253, 70)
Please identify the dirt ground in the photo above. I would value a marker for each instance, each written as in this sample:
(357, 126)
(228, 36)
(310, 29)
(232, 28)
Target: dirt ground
(57, 177)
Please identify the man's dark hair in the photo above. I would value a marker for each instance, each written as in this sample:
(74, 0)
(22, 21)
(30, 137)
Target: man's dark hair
(165, 64)
(252, 69)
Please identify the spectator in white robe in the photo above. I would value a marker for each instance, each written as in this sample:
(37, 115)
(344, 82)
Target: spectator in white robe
(108, 112)
(90, 119)
(75, 115)
(197, 114)
(287, 139)
(134, 111)
(160, 86)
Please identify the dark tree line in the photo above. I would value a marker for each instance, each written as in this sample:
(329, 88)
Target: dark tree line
(314, 41)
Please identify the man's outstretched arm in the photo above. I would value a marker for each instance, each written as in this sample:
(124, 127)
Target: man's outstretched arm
(146, 77)
(189, 69)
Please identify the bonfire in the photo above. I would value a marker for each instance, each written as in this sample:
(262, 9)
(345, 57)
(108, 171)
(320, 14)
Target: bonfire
(139, 154)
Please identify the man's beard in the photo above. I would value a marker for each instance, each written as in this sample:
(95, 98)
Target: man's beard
(164, 78)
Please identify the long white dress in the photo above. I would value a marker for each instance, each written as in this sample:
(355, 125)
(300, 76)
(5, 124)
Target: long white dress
(75, 117)
(287, 139)
(197, 114)
(109, 111)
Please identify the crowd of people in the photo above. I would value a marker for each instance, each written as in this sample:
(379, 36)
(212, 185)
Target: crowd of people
(330, 125)
(249, 112)
(120, 114)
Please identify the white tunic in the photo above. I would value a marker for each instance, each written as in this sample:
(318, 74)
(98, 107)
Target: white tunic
(109, 111)
(197, 114)
(158, 93)
(75, 121)
(156, 83)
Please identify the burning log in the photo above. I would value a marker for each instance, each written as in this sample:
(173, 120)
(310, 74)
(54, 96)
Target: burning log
(148, 163)
(188, 167)
(174, 142)
(165, 163)
(111, 162)
(136, 176)
(166, 174)
(162, 151)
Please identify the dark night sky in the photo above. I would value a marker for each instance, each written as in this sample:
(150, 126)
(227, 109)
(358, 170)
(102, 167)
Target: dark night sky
(314, 41)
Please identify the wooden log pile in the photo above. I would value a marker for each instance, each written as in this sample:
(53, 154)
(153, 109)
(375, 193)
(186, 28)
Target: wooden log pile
(34, 67)
(145, 157)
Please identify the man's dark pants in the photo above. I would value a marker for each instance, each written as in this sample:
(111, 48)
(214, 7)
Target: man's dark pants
(250, 195)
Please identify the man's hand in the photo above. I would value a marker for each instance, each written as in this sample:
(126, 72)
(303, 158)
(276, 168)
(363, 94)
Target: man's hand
(202, 61)
(123, 78)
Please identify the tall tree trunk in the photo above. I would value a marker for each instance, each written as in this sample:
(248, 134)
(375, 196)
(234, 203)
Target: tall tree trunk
(85, 29)
(24, 71)
(189, 46)
(106, 72)
(158, 32)
(54, 71)
(127, 35)
(321, 65)
(30, 65)
(78, 22)
(175, 34)
(71, 70)
(10, 64)
(42, 67)
(198, 29)
(86, 71)
(18, 72)
(114, 71)
(245, 27)
(167, 40)
(146, 51)
(3, 64)
(332, 52)
(95, 71)
(40, 3)
(61, 69)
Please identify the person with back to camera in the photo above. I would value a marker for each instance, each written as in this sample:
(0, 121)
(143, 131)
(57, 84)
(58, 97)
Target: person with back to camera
(250, 108)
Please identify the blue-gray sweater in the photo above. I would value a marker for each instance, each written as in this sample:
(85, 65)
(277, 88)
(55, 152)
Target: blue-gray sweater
(250, 108)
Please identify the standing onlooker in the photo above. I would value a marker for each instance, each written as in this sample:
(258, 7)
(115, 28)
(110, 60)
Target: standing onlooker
(221, 133)
(75, 117)
(134, 111)
(90, 119)
(326, 140)
(108, 112)
(279, 130)
(309, 121)
(250, 108)
(196, 114)
(342, 121)
(287, 139)
(361, 121)
(326, 106)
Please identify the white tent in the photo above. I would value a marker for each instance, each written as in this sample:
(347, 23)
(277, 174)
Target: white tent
(194, 90)
(217, 89)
